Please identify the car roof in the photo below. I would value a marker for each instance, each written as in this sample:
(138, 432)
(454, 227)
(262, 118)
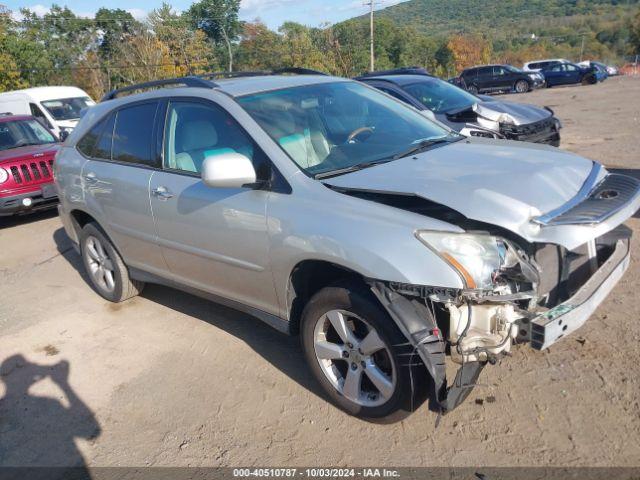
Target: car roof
(401, 79)
(234, 87)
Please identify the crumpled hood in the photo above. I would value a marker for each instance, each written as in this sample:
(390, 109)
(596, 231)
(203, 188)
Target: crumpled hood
(504, 183)
(518, 113)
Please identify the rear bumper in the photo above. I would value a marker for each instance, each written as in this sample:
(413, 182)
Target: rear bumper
(28, 202)
(548, 328)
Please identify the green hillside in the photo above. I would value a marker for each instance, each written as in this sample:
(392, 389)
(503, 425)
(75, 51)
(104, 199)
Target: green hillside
(454, 16)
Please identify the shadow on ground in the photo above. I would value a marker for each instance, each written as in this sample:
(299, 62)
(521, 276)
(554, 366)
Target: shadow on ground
(282, 351)
(24, 219)
(40, 431)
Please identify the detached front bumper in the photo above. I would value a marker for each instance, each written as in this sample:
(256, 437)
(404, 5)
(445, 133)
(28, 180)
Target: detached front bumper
(544, 131)
(40, 199)
(554, 324)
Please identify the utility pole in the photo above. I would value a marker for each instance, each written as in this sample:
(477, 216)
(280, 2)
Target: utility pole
(371, 5)
(582, 47)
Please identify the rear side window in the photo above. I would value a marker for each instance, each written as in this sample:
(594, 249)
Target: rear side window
(485, 71)
(96, 143)
(87, 144)
(133, 134)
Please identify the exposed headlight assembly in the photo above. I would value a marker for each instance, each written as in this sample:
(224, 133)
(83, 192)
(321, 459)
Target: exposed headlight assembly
(476, 257)
(4, 176)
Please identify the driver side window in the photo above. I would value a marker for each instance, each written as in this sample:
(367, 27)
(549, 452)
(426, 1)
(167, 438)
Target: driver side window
(195, 131)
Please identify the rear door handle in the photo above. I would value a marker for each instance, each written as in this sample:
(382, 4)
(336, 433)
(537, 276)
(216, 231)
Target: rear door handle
(91, 178)
(162, 193)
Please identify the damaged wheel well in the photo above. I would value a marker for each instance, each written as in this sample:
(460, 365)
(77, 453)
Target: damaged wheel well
(307, 278)
(80, 219)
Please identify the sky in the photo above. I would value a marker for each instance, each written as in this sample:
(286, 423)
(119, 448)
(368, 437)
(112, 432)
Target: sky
(272, 12)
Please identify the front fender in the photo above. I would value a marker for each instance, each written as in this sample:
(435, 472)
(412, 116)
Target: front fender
(374, 240)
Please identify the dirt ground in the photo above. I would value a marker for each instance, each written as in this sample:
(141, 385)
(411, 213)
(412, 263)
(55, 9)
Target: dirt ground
(170, 379)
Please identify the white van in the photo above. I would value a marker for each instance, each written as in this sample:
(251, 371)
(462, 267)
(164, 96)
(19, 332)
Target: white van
(57, 107)
(541, 64)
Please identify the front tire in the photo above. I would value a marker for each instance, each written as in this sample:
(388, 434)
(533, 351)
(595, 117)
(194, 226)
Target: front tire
(473, 89)
(359, 356)
(107, 273)
(522, 86)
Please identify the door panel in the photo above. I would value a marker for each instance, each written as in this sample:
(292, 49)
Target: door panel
(118, 192)
(121, 194)
(215, 239)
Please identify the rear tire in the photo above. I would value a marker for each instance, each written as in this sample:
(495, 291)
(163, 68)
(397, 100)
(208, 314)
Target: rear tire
(107, 273)
(389, 387)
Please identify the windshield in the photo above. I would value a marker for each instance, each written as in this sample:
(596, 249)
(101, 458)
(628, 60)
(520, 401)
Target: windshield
(511, 68)
(334, 126)
(18, 133)
(67, 108)
(439, 96)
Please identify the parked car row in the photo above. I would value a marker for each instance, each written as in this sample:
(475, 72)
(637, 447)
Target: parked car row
(533, 75)
(366, 225)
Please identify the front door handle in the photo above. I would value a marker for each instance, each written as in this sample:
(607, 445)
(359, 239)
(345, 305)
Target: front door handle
(162, 193)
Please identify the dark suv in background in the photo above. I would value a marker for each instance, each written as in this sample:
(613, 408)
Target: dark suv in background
(500, 78)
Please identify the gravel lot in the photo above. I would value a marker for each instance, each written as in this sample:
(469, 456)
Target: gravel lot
(170, 379)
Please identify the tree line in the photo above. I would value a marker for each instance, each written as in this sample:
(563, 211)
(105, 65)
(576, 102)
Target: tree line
(113, 48)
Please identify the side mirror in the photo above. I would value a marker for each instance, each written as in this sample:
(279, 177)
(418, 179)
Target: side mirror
(64, 134)
(228, 170)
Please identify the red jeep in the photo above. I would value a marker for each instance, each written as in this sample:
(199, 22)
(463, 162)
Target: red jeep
(27, 149)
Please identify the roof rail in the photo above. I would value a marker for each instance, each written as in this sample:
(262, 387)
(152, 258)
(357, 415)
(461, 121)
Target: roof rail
(6, 114)
(397, 71)
(184, 81)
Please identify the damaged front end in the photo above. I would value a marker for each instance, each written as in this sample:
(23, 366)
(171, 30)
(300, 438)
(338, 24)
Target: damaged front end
(513, 293)
(508, 120)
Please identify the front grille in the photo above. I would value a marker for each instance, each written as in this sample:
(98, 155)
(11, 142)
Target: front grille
(607, 198)
(31, 171)
(541, 128)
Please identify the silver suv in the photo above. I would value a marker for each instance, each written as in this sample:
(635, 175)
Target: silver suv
(332, 211)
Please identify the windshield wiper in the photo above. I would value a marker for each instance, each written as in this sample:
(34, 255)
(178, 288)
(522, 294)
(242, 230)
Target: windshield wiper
(352, 168)
(423, 145)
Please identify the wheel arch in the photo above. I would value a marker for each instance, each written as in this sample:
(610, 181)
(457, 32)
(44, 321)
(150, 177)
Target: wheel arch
(307, 278)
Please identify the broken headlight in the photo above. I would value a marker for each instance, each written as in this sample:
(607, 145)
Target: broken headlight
(478, 258)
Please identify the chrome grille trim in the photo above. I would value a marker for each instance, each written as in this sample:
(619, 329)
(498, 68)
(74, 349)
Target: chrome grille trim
(598, 204)
(583, 193)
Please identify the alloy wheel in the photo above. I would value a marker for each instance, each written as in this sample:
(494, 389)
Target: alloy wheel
(354, 358)
(100, 265)
(522, 86)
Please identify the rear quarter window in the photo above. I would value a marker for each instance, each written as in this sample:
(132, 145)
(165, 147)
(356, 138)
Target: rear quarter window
(96, 143)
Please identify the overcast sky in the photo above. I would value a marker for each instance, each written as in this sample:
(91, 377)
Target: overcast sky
(272, 12)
